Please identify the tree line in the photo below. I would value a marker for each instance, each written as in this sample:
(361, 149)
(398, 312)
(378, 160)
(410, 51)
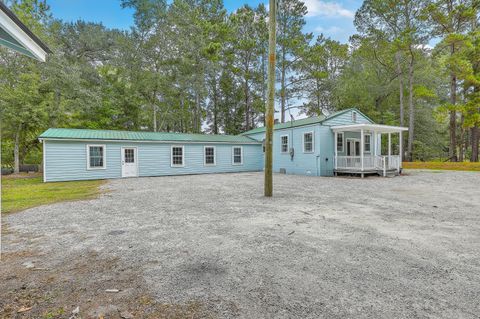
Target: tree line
(191, 66)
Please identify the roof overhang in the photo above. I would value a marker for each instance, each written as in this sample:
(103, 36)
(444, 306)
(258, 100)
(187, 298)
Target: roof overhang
(369, 127)
(16, 36)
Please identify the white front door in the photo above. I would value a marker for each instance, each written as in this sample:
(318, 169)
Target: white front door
(129, 162)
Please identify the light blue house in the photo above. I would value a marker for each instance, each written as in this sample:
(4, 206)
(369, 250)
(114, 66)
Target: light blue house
(345, 142)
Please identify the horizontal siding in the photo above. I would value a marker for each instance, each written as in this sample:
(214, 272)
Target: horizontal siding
(346, 119)
(67, 160)
(327, 159)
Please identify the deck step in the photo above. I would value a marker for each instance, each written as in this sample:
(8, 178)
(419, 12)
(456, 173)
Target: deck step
(389, 172)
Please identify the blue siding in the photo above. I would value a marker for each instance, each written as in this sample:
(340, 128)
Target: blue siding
(326, 160)
(346, 119)
(67, 160)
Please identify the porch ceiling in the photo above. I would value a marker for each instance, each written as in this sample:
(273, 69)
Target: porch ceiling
(369, 127)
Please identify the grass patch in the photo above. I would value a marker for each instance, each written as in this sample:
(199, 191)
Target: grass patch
(22, 193)
(454, 166)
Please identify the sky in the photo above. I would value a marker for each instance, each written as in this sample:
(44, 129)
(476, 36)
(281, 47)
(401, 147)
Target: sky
(333, 18)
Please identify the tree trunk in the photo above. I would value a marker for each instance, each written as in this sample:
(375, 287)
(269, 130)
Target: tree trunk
(215, 109)
(283, 87)
(154, 107)
(16, 150)
(411, 109)
(452, 152)
(462, 144)
(475, 141)
(400, 93)
(247, 107)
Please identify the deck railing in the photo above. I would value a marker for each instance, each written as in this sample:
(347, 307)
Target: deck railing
(369, 162)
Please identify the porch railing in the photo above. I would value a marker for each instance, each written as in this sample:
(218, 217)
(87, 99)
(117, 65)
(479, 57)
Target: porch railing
(369, 162)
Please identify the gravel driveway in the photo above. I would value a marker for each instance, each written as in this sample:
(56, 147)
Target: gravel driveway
(404, 247)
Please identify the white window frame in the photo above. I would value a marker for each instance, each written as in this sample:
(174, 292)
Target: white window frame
(313, 142)
(183, 155)
(354, 116)
(205, 155)
(104, 156)
(343, 142)
(365, 142)
(281, 144)
(233, 155)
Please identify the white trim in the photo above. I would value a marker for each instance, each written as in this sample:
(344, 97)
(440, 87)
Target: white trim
(362, 148)
(343, 142)
(104, 157)
(354, 139)
(281, 144)
(146, 141)
(205, 155)
(18, 34)
(369, 127)
(313, 142)
(135, 156)
(364, 141)
(183, 156)
(241, 155)
(44, 156)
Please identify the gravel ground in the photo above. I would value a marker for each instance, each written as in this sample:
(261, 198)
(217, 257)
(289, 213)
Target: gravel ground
(403, 247)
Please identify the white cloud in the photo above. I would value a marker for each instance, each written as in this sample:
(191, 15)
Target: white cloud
(329, 30)
(329, 9)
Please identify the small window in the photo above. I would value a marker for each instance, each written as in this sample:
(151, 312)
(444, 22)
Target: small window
(284, 145)
(354, 117)
(237, 155)
(368, 143)
(96, 156)
(129, 155)
(308, 142)
(177, 156)
(209, 155)
(339, 142)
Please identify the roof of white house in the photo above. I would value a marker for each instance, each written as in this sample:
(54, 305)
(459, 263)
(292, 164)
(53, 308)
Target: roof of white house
(16, 36)
(369, 127)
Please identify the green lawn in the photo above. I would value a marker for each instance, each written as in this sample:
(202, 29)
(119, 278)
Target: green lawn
(458, 166)
(19, 193)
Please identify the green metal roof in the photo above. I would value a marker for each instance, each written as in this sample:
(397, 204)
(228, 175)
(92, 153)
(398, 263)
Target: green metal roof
(83, 134)
(302, 122)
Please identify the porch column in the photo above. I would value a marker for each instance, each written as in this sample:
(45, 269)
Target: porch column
(335, 149)
(361, 147)
(400, 147)
(389, 149)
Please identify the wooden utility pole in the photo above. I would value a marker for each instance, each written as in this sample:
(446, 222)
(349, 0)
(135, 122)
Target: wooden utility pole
(270, 107)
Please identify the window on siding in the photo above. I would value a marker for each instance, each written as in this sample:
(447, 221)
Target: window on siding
(237, 155)
(129, 155)
(284, 143)
(308, 142)
(354, 117)
(368, 143)
(209, 155)
(96, 156)
(339, 142)
(177, 156)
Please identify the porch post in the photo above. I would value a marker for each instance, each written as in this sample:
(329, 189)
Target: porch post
(335, 149)
(400, 147)
(389, 149)
(361, 147)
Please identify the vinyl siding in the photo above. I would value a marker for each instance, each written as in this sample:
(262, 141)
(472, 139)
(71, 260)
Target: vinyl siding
(346, 119)
(67, 160)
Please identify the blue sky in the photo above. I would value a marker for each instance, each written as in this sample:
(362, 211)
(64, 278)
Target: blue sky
(334, 18)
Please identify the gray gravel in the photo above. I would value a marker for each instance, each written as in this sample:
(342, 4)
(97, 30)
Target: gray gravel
(404, 247)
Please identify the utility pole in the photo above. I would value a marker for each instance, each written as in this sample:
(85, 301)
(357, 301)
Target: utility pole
(270, 107)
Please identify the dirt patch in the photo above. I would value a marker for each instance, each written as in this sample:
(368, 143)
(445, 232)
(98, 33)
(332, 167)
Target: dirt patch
(28, 291)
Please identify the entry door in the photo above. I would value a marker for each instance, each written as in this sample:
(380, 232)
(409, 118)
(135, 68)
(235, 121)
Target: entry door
(129, 162)
(353, 147)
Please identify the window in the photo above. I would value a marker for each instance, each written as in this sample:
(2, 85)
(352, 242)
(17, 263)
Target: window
(339, 142)
(263, 145)
(284, 143)
(368, 143)
(354, 117)
(308, 142)
(129, 155)
(96, 156)
(177, 156)
(209, 155)
(237, 155)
